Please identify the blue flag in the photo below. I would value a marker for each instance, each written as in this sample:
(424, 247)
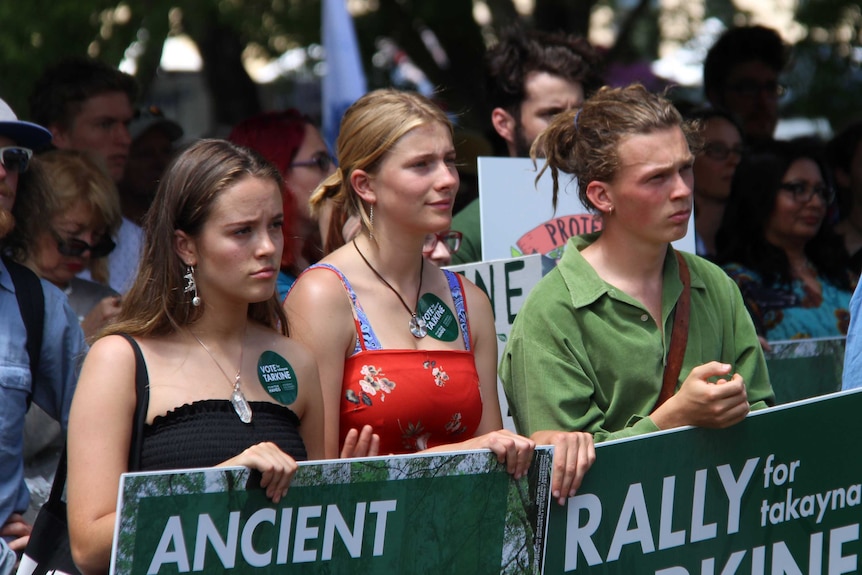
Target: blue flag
(344, 81)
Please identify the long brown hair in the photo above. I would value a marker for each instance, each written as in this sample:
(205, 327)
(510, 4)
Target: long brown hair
(156, 303)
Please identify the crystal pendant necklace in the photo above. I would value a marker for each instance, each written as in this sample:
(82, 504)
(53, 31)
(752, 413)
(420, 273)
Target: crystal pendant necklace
(237, 399)
(417, 324)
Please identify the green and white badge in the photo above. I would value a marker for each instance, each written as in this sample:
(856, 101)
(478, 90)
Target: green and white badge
(277, 377)
(439, 319)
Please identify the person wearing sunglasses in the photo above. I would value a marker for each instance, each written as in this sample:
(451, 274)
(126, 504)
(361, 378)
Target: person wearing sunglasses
(775, 242)
(46, 375)
(293, 144)
(88, 105)
(68, 218)
(714, 165)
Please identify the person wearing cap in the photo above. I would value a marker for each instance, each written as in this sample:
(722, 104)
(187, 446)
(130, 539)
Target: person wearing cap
(153, 139)
(50, 383)
(88, 105)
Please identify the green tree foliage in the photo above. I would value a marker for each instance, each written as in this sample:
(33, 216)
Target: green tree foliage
(35, 34)
(826, 73)
(825, 80)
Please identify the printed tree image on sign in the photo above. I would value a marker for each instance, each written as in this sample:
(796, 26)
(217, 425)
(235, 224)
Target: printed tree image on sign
(803, 368)
(441, 513)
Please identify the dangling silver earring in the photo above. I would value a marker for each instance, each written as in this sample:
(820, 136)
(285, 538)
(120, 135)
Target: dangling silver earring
(371, 219)
(191, 286)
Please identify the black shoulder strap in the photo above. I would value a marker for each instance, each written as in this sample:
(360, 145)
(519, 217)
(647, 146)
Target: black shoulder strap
(31, 302)
(142, 401)
(142, 388)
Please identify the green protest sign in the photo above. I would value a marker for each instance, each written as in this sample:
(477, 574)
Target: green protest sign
(803, 368)
(455, 513)
(779, 493)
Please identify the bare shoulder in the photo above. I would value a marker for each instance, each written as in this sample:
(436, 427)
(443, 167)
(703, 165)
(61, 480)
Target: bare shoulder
(476, 298)
(267, 340)
(112, 349)
(316, 286)
(108, 369)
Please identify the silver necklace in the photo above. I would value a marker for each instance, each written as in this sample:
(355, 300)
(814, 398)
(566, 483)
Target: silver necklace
(417, 324)
(237, 399)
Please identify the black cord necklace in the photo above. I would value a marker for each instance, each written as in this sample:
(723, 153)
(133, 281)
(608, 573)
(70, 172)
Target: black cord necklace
(417, 324)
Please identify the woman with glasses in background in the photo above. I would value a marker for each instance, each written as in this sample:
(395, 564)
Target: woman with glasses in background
(65, 218)
(714, 167)
(291, 143)
(776, 244)
(440, 247)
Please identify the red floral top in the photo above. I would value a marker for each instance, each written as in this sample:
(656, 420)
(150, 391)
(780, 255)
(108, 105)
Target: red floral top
(413, 399)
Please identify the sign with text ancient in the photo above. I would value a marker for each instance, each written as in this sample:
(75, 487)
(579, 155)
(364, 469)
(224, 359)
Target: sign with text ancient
(440, 513)
(779, 493)
(517, 214)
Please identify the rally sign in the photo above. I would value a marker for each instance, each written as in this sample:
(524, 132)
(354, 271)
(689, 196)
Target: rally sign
(779, 493)
(440, 513)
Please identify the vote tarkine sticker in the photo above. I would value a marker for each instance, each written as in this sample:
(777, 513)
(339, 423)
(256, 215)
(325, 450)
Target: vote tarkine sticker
(439, 319)
(277, 377)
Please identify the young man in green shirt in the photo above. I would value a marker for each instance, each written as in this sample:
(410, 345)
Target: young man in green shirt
(589, 347)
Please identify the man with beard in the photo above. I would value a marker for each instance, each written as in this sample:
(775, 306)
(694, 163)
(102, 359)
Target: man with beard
(532, 77)
(50, 381)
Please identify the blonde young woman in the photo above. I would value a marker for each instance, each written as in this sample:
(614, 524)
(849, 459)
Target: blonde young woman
(203, 314)
(406, 352)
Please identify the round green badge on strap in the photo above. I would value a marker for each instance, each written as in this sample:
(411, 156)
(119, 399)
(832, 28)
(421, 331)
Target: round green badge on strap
(277, 377)
(439, 319)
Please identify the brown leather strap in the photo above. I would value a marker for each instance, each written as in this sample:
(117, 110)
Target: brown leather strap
(679, 336)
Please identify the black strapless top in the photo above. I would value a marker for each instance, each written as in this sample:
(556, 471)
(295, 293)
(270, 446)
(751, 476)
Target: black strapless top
(208, 432)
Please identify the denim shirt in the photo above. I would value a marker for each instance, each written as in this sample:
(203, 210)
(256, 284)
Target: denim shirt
(852, 377)
(63, 349)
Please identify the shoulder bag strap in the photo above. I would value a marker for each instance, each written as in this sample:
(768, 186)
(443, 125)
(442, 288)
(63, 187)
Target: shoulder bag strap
(142, 389)
(31, 302)
(142, 401)
(679, 336)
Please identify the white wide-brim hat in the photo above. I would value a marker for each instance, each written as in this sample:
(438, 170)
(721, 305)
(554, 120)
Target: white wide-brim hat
(25, 134)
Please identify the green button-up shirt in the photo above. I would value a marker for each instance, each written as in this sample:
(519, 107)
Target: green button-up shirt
(583, 355)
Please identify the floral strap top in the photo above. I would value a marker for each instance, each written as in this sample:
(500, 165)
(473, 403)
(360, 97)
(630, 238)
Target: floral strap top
(413, 399)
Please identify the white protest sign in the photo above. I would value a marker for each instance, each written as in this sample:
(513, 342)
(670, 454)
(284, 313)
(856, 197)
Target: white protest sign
(517, 216)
